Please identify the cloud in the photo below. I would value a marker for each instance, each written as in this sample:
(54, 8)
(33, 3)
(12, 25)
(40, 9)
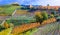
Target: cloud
(33, 2)
(45, 2)
(26, 2)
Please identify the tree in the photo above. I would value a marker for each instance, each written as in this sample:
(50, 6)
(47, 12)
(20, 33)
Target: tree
(6, 25)
(59, 10)
(38, 19)
(45, 15)
(47, 6)
(51, 16)
(41, 17)
(1, 28)
(53, 12)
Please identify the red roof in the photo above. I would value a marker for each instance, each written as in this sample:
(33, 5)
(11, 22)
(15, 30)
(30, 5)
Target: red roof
(50, 7)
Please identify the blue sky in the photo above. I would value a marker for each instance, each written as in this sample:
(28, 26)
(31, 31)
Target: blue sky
(32, 2)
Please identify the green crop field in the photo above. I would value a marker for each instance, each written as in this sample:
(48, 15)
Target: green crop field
(21, 20)
(8, 10)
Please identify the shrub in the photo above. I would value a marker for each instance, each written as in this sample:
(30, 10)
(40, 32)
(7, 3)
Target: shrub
(45, 15)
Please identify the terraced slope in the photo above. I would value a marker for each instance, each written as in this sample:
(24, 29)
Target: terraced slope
(49, 29)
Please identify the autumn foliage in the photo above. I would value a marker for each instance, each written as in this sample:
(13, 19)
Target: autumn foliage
(22, 28)
(6, 25)
(48, 21)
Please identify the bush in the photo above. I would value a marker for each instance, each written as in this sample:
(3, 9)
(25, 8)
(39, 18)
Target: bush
(38, 19)
(42, 16)
(53, 12)
(1, 28)
(45, 15)
(51, 15)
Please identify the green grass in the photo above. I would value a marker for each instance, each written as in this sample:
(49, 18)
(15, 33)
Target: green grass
(6, 31)
(33, 31)
(8, 10)
(30, 32)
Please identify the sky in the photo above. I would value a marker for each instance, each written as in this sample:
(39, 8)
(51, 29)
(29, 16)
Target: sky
(32, 2)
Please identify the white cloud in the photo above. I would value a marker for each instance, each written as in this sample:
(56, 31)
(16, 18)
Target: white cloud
(51, 2)
(38, 2)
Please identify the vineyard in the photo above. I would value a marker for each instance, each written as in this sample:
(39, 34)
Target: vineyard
(18, 20)
(20, 29)
(25, 19)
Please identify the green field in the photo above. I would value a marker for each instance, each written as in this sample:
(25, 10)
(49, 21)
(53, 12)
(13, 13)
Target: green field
(8, 10)
(21, 20)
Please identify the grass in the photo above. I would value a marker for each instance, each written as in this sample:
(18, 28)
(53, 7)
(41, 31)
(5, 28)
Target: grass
(29, 32)
(6, 31)
(34, 31)
(8, 10)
